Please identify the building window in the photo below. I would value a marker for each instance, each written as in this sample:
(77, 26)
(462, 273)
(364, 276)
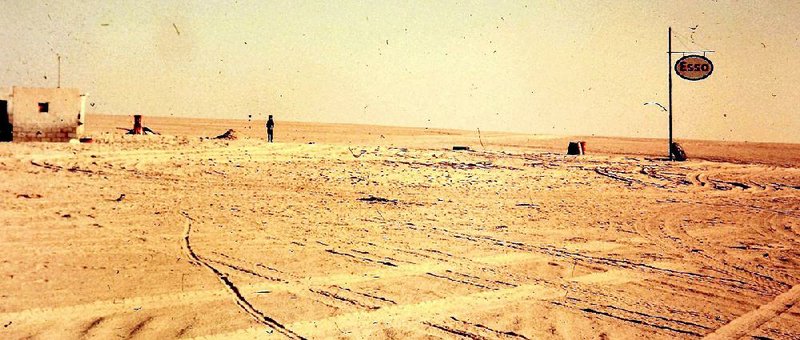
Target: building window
(44, 107)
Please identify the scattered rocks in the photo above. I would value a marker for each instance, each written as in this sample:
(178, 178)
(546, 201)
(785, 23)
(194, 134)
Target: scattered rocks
(231, 134)
(375, 199)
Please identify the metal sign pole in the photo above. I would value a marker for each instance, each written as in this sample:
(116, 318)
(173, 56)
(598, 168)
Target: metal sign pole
(692, 67)
(669, 69)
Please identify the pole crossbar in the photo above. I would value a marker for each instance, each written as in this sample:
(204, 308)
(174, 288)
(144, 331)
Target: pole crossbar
(679, 52)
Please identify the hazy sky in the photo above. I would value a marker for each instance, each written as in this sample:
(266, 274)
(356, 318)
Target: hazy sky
(550, 67)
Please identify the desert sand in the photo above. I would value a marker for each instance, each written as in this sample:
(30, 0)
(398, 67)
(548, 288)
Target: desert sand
(347, 231)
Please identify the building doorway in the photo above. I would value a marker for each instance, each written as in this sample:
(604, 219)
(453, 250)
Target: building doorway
(6, 134)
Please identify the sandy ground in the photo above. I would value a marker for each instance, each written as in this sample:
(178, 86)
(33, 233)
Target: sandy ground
(378, 232)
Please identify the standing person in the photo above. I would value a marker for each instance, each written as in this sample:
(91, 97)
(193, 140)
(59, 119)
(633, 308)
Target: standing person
(270, 126)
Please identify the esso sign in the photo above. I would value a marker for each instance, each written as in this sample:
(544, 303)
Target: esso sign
(694, 67)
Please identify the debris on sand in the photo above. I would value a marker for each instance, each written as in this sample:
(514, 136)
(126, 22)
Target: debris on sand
(145, 131)
(229, 135)
(375, 199)
(530, 205)
(460, 148)
(454, 165)
(149, 131)
(29, 196)
(677, 151)
(138, 128)
(354, 154)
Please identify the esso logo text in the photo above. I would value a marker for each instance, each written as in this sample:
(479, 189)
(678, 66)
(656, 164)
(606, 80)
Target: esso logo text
(694, 67)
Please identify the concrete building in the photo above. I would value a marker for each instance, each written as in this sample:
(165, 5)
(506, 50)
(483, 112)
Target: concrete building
(30, 114)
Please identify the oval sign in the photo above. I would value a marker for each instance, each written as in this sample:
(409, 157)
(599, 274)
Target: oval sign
(694, 67)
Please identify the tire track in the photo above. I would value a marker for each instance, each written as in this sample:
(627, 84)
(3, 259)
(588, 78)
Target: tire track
(636, 321)
(139, 327)
(361, 258)
(672, 237)
(495, 332)
(401, 314)
(374, 297)
(124, 305)
(648, 319)
(749, 322)
(614, 262)
(461, 281)
(244, 270)
(455, 331)
(92, 325)
(342, 298)
(627, 180)
(240, 300)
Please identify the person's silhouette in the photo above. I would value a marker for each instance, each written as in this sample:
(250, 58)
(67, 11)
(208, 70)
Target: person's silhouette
(270, 126)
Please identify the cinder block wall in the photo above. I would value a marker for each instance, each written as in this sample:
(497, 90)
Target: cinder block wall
(59, 124)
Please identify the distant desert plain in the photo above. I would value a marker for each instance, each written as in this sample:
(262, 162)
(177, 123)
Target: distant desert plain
(349, 231)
